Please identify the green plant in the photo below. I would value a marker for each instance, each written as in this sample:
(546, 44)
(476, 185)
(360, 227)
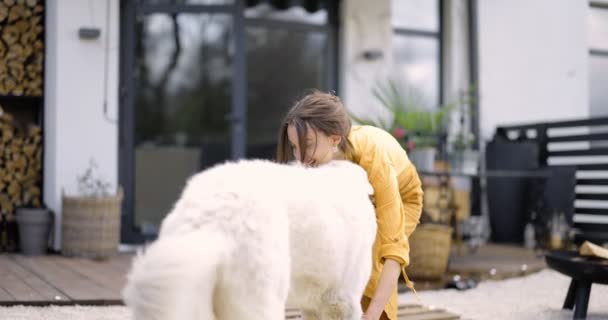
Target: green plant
(414, 123)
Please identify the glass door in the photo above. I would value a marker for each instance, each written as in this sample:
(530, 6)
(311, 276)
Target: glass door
(203, 81)
(178, 114)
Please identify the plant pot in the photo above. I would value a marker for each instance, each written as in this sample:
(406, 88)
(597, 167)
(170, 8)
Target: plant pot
(34, 229)
(466, 161)
(91, 226)
(423, 158)
(430, 247)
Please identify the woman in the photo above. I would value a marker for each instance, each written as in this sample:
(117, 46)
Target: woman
(316, 130)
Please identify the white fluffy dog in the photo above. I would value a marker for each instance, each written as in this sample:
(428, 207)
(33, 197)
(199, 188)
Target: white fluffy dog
(247, 238)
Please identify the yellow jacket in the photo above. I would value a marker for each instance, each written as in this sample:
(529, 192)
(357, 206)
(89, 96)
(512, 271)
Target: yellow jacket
(398, 199)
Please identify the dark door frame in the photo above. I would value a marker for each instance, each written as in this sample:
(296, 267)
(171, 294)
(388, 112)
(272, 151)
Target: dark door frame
(130, 11)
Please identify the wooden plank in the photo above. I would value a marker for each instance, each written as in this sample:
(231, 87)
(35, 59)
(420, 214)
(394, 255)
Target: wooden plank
(5, 296)
(583, 152)
(47, 292)
(582, 137)
(592, 182)
(98, 272)
(419, 312)
(593, 227)
(409, 305)
(592, 196)
(292, 314)
(120, 263)
(12, 284)
(435, 315)
(17, 288)
(593, 167)
(405, 312)
(416, 310)
(72, 284)
(593, 211)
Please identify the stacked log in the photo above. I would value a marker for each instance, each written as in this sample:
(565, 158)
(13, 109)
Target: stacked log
(21, 47)
(20, 165)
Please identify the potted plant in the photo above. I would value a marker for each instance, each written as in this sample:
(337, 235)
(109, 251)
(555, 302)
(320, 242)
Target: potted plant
(91, 219)
(414, 123)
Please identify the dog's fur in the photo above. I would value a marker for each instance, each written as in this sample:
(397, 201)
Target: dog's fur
(247, 238)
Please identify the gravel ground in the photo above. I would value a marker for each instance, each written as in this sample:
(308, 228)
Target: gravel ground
(536, 296)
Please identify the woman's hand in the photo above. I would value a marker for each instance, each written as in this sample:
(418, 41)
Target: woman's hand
(388, 280)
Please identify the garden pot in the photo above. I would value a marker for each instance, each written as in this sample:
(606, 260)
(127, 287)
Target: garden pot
(423, 158)
(34, 228)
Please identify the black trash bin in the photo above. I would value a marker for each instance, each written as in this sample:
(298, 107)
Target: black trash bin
(508, 197)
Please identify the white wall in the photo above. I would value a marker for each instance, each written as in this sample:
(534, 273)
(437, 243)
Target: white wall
(533, 61)
(366, 25)
(76, 129)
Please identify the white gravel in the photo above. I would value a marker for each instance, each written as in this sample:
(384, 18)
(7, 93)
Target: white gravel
(538, 296)
(64, 313)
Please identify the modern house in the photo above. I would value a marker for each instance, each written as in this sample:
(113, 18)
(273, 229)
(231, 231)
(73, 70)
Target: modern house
(155, 90)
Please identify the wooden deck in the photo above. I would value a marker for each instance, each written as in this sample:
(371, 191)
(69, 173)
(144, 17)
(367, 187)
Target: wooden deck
(54, 279)
(405, 312)
(57, 280)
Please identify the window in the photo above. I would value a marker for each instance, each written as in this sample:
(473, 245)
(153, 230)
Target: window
(598, 59)
(417, 46)
(287, 51)
(206, 81)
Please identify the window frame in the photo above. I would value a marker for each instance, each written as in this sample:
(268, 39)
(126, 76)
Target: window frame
(596, 52)
(130, 13)
(421, 33)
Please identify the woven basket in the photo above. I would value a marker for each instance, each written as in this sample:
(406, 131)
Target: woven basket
(91, 226)
(430, 248)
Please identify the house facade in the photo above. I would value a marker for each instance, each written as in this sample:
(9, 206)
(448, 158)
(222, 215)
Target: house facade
(155, 90)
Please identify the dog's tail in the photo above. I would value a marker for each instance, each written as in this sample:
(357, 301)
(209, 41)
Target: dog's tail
(175, 277)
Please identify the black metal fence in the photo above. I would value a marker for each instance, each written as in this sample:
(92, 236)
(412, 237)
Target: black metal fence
(579, 144)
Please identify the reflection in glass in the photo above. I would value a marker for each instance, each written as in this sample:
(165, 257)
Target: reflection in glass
(417, 63)
(598, 72)
(291, 14)
(415, 14)
(281, 64)
(598, 28)
(183, 93)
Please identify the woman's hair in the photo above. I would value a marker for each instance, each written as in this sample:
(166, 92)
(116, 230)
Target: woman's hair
(323, 112)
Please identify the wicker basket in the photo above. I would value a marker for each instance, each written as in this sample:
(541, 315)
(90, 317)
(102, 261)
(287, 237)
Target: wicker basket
(430, 248)
(91, 226)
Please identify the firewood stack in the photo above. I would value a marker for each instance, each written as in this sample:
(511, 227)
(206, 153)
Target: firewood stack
(21, 47)
(20, 165)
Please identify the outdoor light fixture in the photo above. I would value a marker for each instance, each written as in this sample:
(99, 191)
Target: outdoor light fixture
(89, 33)
(373, 54)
